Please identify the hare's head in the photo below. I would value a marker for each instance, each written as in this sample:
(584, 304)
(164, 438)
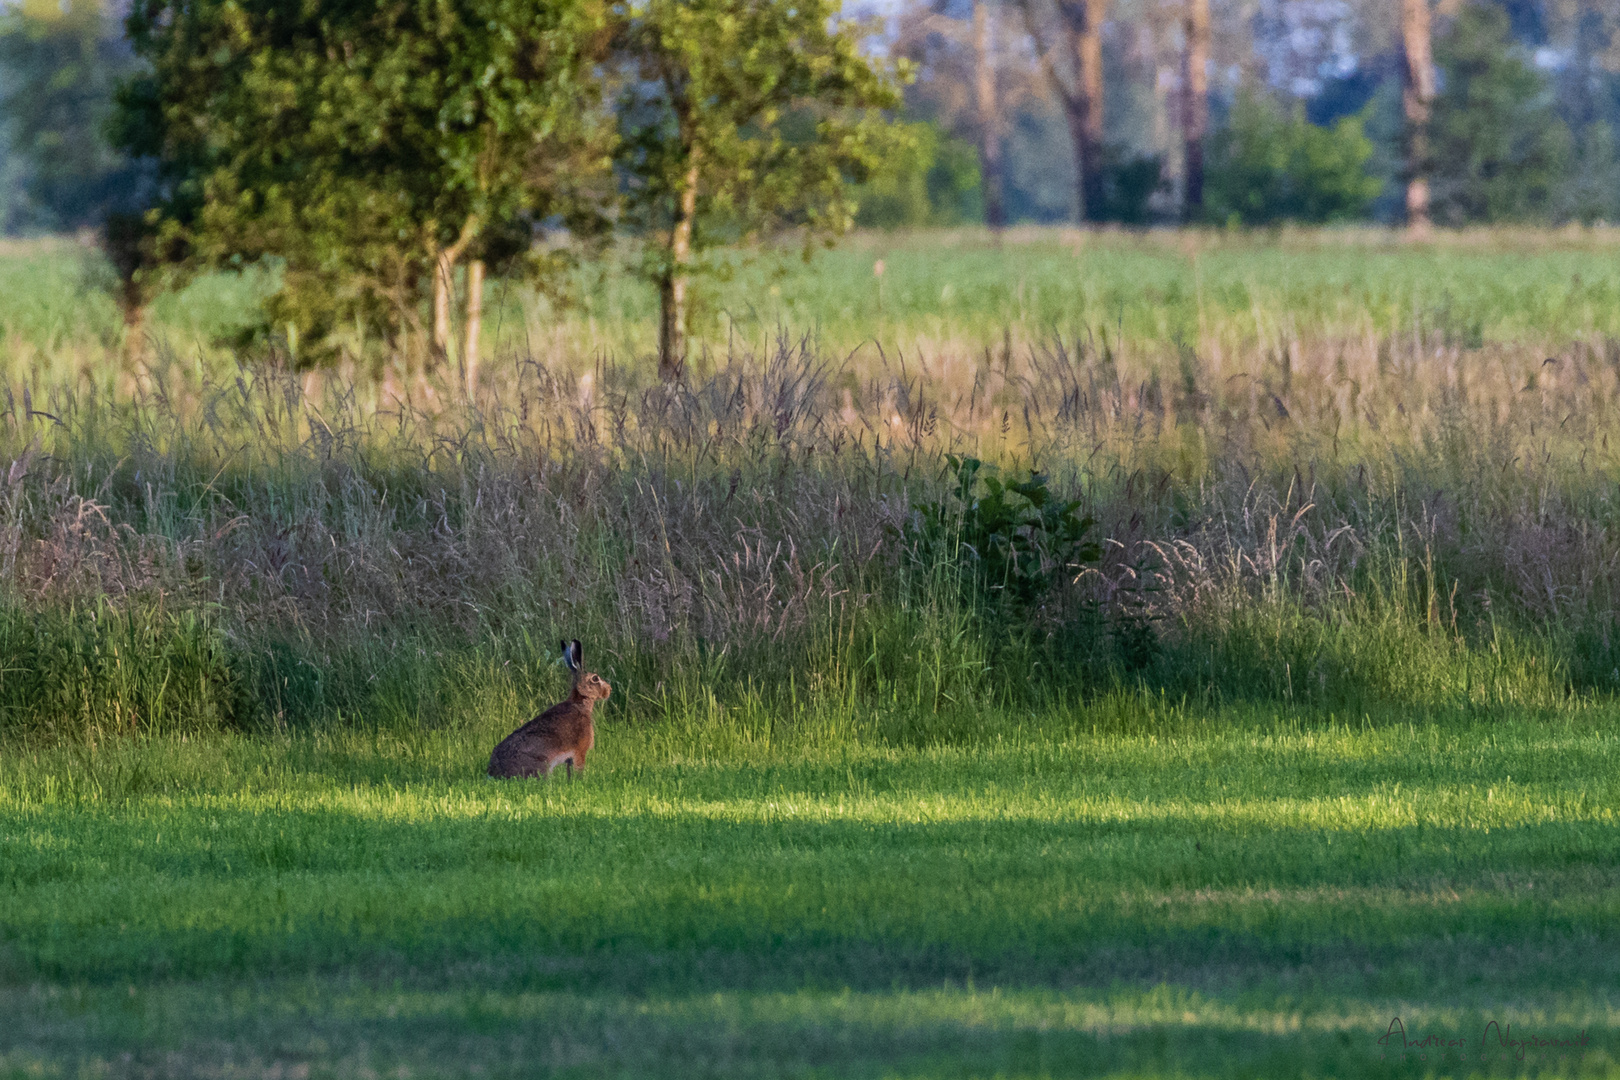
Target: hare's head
(587, 684)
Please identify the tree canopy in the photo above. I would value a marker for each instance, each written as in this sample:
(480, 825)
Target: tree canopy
(737, 117)
(373, 145)
(366, 144)
(1499, 150)
(1268, 165)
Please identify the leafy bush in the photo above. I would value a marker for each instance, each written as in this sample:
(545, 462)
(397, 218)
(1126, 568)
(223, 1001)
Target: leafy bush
(1011, 541)
(931, 180)
(1268, 166)
(1129, 182)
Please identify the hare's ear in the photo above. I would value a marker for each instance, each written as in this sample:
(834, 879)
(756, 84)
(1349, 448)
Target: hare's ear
(576, 653)
(568, 655)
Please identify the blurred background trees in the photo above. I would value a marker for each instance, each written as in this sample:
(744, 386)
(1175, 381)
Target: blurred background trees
(1500, 149)
(1268, 165)
(1070, 110)
(1492, 112)
(59, 63)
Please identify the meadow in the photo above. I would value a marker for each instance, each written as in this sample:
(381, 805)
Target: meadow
(1278, 705)
(1212, 895)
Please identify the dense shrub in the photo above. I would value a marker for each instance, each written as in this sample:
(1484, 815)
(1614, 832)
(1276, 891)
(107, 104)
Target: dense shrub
(931, 179)
(1011, 542)
(1268, 165)
(1129, 183)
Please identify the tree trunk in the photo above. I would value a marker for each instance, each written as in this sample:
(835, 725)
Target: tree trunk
(1195, 105)
(672, 289)
(1086, 108)
(444, 285)
(1417, 97)
(134, 312)
(984, 77)
(475, 324)
(444, 268)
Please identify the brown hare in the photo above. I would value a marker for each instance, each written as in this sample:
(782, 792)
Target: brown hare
(563, 734)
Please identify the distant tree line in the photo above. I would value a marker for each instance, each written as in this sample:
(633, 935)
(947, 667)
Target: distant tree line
(1408, 111)
(390, 154)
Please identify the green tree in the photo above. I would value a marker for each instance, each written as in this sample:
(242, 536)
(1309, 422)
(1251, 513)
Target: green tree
(372, 145)
(740, 117)
(927, 178)
(1129, 184)
(59, 60)
(1590, 190)
(1498, 149)
(1268, 165)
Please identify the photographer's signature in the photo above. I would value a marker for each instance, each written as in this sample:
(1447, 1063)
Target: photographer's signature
(1498, 1043)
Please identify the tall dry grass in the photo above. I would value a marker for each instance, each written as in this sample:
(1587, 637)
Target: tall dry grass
(1329, 519)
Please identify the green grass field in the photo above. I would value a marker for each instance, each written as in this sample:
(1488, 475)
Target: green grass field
(1235, 896)
(1323, 734)
(944, 291)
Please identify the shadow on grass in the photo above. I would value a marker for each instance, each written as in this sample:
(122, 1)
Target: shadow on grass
(345, 1027)
(686, 903)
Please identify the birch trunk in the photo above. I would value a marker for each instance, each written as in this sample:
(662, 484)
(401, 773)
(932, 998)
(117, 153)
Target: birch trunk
(135, 335)
(444, 268)
(475, 324)
(444, 285)
(672, 289)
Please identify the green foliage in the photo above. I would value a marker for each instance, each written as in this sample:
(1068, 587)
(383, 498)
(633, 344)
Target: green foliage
(365, 145)
(1590, 190)
(1129, 182)
(771, 105)
(1268, 165)
(926, 178)
(1498, 150)
(1012, 542)
(59, 60)
(360, 142)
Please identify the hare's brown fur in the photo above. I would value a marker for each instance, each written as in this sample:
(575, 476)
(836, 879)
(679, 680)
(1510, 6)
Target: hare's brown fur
(562, 734)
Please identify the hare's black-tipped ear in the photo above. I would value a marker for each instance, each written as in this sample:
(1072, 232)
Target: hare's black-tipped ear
(576, 653)
(568, 655)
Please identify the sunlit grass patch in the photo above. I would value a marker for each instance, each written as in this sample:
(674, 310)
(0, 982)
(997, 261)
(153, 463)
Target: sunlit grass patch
(1259, 898)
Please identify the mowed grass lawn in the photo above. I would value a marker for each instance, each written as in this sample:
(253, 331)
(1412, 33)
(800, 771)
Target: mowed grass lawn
(1240, 898)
